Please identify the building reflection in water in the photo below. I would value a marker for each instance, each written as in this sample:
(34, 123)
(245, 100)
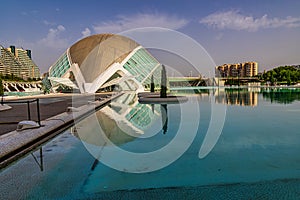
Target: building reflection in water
(239, 97)
(122, 121)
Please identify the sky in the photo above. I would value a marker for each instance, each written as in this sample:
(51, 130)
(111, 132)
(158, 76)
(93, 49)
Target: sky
(230, 31)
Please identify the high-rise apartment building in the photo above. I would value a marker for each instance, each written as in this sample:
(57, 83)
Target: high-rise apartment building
(246, 69)
(18, 62)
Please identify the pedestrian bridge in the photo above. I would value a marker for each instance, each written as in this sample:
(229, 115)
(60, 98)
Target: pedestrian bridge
(13, 86)
(191, 81)
(199, 81)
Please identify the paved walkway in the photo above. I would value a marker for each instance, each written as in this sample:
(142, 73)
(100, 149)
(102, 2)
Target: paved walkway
(50, 105)
(14, 144)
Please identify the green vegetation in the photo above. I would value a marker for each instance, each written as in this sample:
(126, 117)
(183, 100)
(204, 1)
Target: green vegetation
(12, 77)
(282, 75)
(284, 96)
(163, 89)
(152, 84)
(1, 87)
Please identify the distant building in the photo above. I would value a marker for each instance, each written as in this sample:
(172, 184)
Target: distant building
(17, 62)
(246, 69)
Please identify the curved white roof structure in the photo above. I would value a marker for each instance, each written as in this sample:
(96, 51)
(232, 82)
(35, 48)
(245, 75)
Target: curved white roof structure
(104, 60)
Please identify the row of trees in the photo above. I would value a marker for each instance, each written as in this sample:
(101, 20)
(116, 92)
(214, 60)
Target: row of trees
(282, 75)
(12, 77)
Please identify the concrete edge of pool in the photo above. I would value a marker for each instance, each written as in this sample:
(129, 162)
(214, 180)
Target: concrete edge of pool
(16, 144)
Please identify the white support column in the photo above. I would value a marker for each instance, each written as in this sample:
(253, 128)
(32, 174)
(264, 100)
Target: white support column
(103, 77)
(78, 77)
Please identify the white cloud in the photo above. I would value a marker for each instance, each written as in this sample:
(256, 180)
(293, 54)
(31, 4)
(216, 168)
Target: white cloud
(138, 21)
(236, 21)
(86, 32)
(46, 22)
(54, 39)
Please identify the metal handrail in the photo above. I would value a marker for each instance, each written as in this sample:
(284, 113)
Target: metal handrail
(28, 107)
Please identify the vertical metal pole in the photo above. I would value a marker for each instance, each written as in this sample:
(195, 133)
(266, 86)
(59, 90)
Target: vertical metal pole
(38, 111)
(28, 111)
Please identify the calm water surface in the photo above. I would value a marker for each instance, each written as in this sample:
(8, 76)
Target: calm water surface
(255, 156)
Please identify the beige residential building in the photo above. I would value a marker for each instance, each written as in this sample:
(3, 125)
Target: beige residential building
(246, 69)
(18, 62)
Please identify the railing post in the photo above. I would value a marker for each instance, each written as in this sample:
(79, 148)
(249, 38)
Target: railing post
(28, 110)
(38, 111)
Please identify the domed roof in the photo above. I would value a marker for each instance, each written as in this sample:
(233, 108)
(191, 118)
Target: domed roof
(94, 54)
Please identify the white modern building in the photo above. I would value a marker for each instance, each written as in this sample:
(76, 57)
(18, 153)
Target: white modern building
(105, 62)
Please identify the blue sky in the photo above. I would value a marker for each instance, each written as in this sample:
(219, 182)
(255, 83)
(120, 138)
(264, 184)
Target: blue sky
(231, 31)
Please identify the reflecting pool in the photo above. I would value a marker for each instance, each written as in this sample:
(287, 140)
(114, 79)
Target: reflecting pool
(22, 94)
(171, 151)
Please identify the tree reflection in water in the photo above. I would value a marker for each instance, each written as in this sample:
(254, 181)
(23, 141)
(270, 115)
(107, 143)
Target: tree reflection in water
(164, 117)
(284, 96)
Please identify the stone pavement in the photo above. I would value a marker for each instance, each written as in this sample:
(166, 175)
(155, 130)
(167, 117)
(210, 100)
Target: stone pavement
(50, 105)
(16, 144)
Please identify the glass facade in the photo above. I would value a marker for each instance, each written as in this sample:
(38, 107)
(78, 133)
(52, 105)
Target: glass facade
(60, 67)
(141, 116)
(141, 65)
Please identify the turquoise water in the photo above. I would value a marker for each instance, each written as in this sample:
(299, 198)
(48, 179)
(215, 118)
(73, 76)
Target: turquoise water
(22, 94)
(255, 156)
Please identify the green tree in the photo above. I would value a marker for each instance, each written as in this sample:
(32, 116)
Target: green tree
(272, 78)
(288, 78)
(152, 84)
(282, 75)
(287, 74)
(163, 87)
(294, 75)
